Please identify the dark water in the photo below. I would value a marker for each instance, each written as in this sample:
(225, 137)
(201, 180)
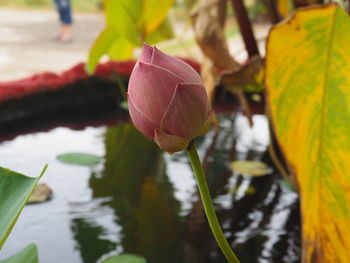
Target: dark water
(140, 200)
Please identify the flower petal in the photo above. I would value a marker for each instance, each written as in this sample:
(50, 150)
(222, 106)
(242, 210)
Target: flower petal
(187, 112)
(177, 66)
(151, 89)
(170, 143)
(142, 123)
(146, 53)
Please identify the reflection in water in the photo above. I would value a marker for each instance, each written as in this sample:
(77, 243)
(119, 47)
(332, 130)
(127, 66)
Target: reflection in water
(260, 217)
(90, 239)
(142, 196)
(251, 139)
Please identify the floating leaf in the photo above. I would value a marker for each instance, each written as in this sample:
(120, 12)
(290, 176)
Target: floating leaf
(308, 83)
(15, 190)
(253, 168)
(125, 258)
(27, 255)
(80, 159)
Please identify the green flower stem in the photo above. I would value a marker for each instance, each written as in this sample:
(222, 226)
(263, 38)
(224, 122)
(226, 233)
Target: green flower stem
(208, 204)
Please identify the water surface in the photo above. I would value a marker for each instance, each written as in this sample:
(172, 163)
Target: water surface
(140, 200)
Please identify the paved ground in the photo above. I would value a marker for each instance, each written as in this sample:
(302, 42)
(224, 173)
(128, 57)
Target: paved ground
(27, 43)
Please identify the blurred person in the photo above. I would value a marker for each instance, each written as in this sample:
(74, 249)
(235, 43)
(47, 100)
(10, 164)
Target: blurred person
(65, 14)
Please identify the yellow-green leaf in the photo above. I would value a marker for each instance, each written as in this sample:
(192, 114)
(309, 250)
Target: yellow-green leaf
(124, 16)
(163, 32)
(283, 7)
(100, 47)
(308, 84)
(154, 13)
(121, 49)
(129, 23)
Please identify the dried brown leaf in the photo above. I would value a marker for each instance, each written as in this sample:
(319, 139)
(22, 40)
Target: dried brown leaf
(210, 77)
(236, 81)
(208, 23)
(245, 75)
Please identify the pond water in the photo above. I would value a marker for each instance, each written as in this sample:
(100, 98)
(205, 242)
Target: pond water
(142, 201)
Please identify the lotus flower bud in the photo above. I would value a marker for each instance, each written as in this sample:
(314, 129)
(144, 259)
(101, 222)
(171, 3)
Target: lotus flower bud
(167, 100)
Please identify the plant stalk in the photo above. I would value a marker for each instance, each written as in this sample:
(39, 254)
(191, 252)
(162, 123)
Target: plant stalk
(208, 204)
(245, 27)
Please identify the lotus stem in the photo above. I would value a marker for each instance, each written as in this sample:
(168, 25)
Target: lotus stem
(208, 204)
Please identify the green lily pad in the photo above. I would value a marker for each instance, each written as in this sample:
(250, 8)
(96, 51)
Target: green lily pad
(15, 190)
(27, 255)
(80, 159)
(124, 258)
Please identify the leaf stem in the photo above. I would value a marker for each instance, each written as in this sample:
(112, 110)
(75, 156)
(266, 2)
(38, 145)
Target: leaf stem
(208, 204)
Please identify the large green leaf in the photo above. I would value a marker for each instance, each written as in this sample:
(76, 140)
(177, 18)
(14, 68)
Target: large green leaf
(125, 258)
(27, 255)
(15, 190)
(308, 84)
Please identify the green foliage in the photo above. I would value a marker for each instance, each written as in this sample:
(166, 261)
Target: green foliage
(164, 31)
(15, 190)
(120, 49)
(125, 258)
(101, 46)
(27, 255)
(79, 159)
(128, 25)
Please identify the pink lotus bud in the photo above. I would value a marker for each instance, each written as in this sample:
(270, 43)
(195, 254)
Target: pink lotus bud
(167, 100)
